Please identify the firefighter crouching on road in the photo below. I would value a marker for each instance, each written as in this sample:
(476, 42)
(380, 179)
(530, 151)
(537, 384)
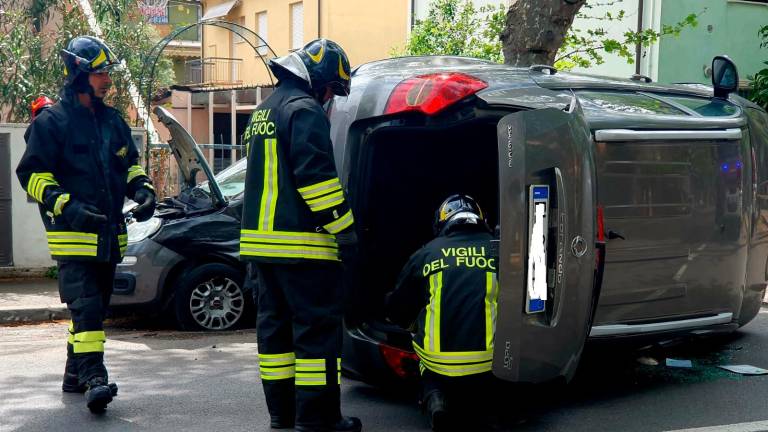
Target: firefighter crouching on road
(446, 294)
(79, 165)
(296, 229)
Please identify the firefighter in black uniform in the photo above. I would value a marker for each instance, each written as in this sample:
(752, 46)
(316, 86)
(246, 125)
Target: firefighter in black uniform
(79, 165)
(297, 229)
(446, 294)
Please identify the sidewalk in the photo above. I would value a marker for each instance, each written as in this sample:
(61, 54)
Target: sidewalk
(30, 300)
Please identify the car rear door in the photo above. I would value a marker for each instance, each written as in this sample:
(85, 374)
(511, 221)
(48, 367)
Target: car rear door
(546, 243)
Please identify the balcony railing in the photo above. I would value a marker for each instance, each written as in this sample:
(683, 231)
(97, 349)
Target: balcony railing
(212, 71)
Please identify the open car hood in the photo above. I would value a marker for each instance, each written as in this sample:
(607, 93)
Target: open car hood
(188, 156)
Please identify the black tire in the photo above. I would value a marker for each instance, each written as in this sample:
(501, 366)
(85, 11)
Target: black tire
(211, 297)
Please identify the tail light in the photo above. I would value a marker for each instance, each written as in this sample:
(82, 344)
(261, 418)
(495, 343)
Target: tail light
(432, 93)
(402, 363)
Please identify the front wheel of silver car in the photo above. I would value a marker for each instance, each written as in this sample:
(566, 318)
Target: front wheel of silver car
(211, 298)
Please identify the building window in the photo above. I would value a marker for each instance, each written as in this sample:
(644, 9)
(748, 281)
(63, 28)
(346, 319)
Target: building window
(262, 31)
(236, 38)
(297, 25)
(180, 14)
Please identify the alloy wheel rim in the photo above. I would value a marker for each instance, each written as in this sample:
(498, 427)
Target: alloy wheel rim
(217, 304)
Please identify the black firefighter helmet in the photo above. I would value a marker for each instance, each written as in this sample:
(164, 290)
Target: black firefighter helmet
(85, 55)
(458, 210)
(320, 63)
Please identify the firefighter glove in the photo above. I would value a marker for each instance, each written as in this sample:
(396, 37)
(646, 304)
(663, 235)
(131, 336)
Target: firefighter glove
(83, 217)
(146, 208)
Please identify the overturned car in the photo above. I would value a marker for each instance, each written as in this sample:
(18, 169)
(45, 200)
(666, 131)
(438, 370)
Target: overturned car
(653, 198)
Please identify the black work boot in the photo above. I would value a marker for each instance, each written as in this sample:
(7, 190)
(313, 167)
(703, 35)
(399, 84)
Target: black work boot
(97, 395)
(281, 422)
(70, 383)
(435, 407)
(348, 424)
(345, 424)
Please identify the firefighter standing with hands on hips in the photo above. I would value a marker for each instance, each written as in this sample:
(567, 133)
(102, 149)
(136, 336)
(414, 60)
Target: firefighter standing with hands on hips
(79, 165)
(297, 227)
(446, 295)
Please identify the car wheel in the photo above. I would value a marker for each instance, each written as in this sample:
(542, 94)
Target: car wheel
(211, 297)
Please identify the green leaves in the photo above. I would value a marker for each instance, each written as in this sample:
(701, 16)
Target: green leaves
(29, 61)
(457, 27)
(585, 48)
(759, 82)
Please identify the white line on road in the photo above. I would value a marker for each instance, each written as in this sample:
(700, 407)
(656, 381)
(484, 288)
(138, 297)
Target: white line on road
(701, 248)
(760, 426)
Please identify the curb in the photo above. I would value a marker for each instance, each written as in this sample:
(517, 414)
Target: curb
(26, 316)
(23, 272)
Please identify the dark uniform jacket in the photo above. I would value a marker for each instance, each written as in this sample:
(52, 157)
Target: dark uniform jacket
(294, 203)
(73, 154)
(447, 295)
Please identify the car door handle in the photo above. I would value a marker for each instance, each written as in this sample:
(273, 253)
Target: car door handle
(613, 235)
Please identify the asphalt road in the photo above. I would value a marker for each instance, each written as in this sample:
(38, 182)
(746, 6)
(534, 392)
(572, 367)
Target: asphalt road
(173, 381)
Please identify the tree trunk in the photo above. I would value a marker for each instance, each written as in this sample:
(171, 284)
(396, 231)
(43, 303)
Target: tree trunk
(535, 30)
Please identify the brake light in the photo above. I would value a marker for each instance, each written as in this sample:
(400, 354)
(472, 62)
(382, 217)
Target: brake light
(402, 363)
(432, 93)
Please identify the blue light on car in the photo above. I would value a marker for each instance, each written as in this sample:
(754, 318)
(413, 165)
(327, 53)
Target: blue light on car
(725, 167)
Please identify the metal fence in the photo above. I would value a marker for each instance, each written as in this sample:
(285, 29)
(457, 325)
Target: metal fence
(212, 71)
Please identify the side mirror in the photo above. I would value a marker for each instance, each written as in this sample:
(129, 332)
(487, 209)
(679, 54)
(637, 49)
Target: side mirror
(725, 76)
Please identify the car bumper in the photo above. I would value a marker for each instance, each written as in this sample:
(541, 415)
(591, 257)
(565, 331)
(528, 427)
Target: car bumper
(141, 276)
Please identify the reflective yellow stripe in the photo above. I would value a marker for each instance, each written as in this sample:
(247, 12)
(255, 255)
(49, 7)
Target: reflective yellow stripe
(310, 362)
(91, 336)
(65, 247)
(71, 337)
(135, 171)
(122, 239)
(491, 294)
(304, 379)
(283, 253)
(277, 366)
(71, 234)
(338, 369)
(269, 193)
(310, 372)
(285, 244)
(37, 184)
(325, 201)
(87, 347)
(277, 359)
(101, 58)
(322, 188)
(85, 242)
(453, 357)
(277, 373)
(340, 224)
(457, 370)
(287, 237)
(62, 200)
(432, 319)
(89, 341)
(149, 186)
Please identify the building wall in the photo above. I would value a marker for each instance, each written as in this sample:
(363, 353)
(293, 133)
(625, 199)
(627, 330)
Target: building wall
(727, 27)
(30, 246)
(367, 29)
(614, 65)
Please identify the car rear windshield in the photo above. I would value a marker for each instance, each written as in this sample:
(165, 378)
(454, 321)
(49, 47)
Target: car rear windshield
(628, 103)
(706, 107)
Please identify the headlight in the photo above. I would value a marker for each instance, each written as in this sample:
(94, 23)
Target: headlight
(138, 231)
